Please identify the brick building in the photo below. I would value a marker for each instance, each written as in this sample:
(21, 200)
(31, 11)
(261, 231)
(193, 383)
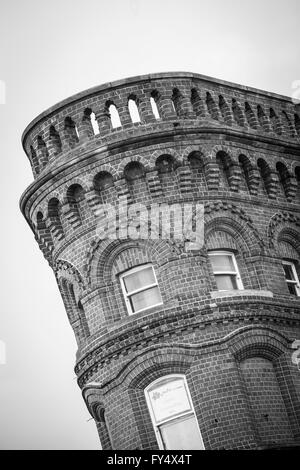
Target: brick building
(176, 347)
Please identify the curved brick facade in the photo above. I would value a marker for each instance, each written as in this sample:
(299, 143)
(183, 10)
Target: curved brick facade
(235, 150)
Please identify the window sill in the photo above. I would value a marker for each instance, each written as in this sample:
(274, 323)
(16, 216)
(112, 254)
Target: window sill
(241, 293)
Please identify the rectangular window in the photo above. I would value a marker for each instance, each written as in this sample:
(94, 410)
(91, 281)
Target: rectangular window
(140, 289)
(291, 278)
(225, 270)
(172, 414)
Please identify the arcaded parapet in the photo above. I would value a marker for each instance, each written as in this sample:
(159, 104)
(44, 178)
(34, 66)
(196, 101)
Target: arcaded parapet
(176, 138)
(117, 111)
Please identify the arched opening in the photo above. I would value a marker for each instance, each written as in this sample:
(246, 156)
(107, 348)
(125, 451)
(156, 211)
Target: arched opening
(265, 174)
(134, 173)
(34, 161)
(237, 113)
(224, 164)
(133, 109)
(225, 110)
(197, 103)
(211, 107)
(196, 163)
(262, 118)
(246, 172)
(165, 163)
(54, 213)
(114, 114)
(250, 116)
(55, 140)
(75, 198)
(71, 132)
(154, 99)
(287, 125)
(275, 121)
(177, 102)
(42, 151)
(104, 185)
(283, 177)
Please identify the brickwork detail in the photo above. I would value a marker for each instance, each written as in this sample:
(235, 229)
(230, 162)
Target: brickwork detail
(193, 140)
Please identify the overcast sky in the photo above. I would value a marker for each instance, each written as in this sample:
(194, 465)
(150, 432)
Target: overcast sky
(49, 51)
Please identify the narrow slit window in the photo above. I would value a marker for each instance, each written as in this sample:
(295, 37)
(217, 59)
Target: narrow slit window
(225, 270)
(114, 116)
(95, 124)
(140, 289)
(154, 108)
(133, 110)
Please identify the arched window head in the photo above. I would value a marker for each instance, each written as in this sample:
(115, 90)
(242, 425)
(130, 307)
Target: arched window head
(103, 180)
(265, 173)
(75, 194)
(113, 115)
(250, 116)
(40, 223)
(133, 171)
(172, 414)
(94, 123)
(71, 132)
(197, 103)
(90, 121)
(133, 109)
(283, 175)
(177, 101)
(164, 164)
(55, 139)
(196, 159)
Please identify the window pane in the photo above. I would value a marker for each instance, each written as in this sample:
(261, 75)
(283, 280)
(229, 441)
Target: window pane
(292, 288)
(139, 279)
(288, 272)
(169, 399)
(145, 299)
(222, 263)
(226, 282)
(181, 434)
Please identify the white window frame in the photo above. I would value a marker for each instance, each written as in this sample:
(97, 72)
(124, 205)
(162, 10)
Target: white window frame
(127, 295)
(175, 417)
(295, 282)
(235, 273)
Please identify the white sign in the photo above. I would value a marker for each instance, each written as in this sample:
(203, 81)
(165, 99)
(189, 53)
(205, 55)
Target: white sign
(169, 399)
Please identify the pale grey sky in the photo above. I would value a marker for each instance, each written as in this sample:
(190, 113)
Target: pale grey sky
(50, 50)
